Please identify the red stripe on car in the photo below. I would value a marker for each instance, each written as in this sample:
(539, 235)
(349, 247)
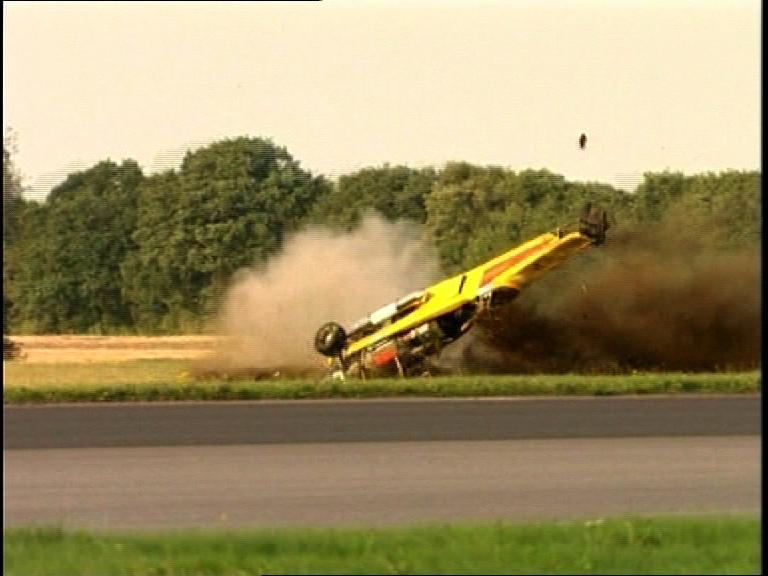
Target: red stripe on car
(500, 267)
(384, 355)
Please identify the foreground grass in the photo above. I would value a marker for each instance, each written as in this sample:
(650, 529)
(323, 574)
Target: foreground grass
(147, 380)
(655, 545)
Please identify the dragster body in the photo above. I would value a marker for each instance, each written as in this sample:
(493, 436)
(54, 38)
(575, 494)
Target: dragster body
(403, 337)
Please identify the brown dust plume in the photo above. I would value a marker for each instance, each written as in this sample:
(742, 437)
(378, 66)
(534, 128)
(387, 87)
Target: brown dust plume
(652, 298)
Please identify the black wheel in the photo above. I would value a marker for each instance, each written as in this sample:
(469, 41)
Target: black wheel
(593, 223)
(330, 339)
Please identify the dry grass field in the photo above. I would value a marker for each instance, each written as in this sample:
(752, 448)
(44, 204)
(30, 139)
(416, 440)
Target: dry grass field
(80, 348)
(162, 365)
(78, 360)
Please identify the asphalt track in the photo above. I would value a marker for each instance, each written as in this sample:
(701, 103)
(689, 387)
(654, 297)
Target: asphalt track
(386, 420)
(239, 464)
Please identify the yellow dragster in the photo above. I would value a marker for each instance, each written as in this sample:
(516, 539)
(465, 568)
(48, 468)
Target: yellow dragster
(402, 337)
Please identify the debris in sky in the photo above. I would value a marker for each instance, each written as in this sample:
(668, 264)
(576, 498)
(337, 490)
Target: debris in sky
(583, 141)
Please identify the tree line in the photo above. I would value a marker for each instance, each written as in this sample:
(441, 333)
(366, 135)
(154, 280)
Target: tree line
(113, 250)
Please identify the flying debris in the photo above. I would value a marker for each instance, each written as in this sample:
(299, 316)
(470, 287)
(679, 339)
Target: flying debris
(583, 141)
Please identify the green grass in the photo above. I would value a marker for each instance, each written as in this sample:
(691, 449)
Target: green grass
(635, 545)
(147, 380)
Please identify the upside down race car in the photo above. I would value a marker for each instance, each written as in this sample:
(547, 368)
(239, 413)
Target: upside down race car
(403, 337)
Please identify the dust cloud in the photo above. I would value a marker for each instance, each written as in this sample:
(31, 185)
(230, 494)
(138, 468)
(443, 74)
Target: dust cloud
(269, 317)
(652, 298)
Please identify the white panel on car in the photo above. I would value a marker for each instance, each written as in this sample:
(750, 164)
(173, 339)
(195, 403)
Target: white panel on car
(383, 313)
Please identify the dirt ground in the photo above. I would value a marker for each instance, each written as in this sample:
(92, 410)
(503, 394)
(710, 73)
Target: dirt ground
(79, 348)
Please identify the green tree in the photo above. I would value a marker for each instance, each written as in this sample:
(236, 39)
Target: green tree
(719, 210)
(71, 280)
(12, 189)
(474, 212)
(28, 262)
(230, 206)
(13, 206)
(149, 279)
(656, 192)
(396, 192)
(738, 208)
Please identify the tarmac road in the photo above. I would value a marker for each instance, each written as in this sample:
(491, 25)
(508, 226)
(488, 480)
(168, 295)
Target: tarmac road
(383, 420)
(378, 462)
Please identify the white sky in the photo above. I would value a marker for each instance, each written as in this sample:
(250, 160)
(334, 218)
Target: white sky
(345, 84)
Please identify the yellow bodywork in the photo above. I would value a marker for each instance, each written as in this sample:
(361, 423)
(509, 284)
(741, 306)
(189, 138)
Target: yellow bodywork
(514, 268)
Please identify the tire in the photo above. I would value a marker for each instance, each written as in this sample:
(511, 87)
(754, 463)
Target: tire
(593, 223)
(330, 339)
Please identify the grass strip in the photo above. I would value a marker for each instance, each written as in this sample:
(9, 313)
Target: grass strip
(443, 386)
(624, 545)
